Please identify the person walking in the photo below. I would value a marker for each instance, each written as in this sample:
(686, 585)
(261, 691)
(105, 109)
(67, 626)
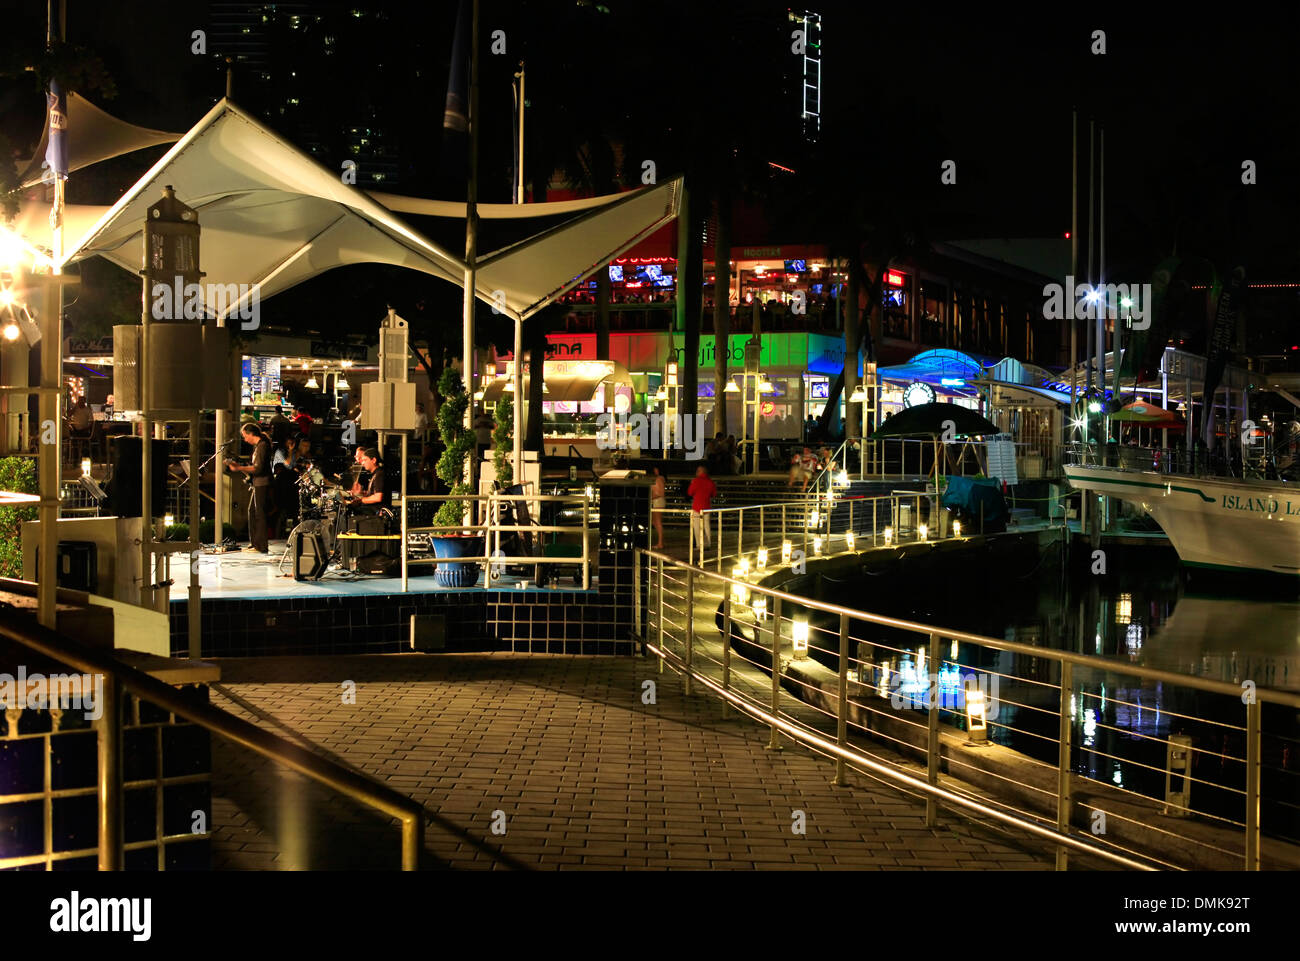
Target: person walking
(701, 492)
(658, 501)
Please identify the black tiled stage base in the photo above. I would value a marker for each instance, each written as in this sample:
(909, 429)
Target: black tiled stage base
(594, 622)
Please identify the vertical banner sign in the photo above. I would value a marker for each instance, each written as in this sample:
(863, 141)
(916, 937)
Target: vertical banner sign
(1221, 335)
(56, 151)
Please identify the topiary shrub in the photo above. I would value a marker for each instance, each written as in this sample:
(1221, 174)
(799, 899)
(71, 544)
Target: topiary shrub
(503, 442)
(17, 475)
(458, 441)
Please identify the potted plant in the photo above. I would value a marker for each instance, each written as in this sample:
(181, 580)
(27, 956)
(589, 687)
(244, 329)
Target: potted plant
(18, 476)
(458, 442)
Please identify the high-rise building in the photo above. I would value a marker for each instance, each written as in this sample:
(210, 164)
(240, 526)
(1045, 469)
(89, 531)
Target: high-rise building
(806, 79)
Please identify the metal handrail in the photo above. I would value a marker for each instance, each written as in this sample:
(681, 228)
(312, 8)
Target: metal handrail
(1270, 695)
(350, 783)
(1067, 662)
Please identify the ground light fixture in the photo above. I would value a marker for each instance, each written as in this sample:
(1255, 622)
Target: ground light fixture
(742, 567)
(922, 530)
(815, 519)
(168, 520)
(977, 725)
(889, 536)
(799, 637)
(786, 550)
(85, 467)
(842, 478)
(590, 492)
(760, 559)
(817, 545)
(739, 593)
(956, 528)
(849, 540)
(760, 609)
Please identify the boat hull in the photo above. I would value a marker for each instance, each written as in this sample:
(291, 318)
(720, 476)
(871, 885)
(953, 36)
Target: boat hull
(1211, 522)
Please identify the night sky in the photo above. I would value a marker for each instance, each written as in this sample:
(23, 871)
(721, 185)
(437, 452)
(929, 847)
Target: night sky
(1184, 99)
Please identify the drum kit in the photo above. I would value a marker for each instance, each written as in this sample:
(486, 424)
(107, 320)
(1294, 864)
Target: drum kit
(324, 502)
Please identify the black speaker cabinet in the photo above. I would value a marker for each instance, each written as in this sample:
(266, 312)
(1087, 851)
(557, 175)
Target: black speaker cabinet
(76, 565)
(124, 489)
(309, 557)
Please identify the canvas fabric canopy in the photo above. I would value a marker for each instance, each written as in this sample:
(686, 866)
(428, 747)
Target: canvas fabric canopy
(93, 135)
(273, 216)
(574, 381)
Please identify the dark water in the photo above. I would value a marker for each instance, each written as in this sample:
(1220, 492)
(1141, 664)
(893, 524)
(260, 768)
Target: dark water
(1141, 613)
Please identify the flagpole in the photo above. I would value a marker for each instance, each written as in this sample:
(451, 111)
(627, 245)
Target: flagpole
(471, 246)
(518, 452)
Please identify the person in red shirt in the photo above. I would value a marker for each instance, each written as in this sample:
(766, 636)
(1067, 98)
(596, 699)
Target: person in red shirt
(303, 420)
(701, 492)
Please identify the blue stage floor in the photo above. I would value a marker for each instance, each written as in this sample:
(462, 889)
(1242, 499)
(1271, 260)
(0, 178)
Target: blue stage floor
(245, 575)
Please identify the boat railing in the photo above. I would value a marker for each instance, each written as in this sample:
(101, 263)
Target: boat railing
(1198, 462)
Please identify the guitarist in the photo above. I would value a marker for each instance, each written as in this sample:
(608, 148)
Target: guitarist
(258, 475)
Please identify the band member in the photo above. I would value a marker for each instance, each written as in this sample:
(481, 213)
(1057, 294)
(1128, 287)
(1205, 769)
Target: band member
(259, 472)
(373, 497)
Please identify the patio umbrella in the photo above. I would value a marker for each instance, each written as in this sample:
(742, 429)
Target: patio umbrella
(932, 420)
(1146, 414)
(929, 420)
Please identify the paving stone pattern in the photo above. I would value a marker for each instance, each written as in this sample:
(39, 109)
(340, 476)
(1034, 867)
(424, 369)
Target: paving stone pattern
(586, 775)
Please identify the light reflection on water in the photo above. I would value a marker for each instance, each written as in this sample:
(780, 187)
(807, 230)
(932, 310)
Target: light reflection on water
(1141, 616)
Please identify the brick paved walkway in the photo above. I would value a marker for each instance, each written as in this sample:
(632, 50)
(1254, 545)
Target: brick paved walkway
(584, 774)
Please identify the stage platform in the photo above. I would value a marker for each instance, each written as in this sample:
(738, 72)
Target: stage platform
(240, 574)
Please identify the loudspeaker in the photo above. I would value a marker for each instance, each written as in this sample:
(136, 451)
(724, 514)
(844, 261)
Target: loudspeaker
(309, 557)
(76, 565)
(124, 490)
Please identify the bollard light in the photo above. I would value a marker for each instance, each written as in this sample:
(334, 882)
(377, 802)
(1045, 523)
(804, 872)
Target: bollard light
(815, 519)
(739, 593)
(817, 546)
(85, 467)
(850, 540)
(760, 609)
(591, 492)
(168, 520)
(922, 530)
(842, 478)
(956, 528)
(889, 536)
(799, 635)
(742, 567)
(760, 562)
(786, 549)
(977, 725)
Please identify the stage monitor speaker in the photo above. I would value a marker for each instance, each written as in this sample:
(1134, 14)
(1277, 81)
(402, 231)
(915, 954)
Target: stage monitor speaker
(124, 490)
(309, 557)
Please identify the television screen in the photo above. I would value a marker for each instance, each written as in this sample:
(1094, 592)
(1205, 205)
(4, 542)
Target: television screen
(796, 266)
(666, 281)
(818, 288)
(654, 271)
(821, 390)
(616, 273)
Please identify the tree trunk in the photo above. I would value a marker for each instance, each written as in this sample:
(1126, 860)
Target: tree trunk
(602, 329)
(722, 312)
(535, 338)
(852, 410)
(690, 278)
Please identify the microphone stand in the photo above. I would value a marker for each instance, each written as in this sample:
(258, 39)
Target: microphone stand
(218, 525)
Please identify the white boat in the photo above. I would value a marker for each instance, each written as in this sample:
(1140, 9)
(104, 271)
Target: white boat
(1224, 523)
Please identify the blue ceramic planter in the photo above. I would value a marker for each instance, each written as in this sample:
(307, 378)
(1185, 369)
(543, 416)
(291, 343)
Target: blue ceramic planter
(457, 575)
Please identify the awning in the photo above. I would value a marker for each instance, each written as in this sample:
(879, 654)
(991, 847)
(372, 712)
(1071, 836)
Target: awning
(575, 381)
(273, 216)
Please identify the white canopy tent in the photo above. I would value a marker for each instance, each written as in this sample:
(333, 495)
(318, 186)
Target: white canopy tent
(273, 216)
